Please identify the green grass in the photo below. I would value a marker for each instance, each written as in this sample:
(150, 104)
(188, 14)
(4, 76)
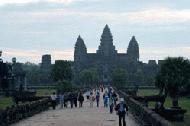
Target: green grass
(183, 102)
(45, 92)
(147, 92)
(4, 102)
(7, 101)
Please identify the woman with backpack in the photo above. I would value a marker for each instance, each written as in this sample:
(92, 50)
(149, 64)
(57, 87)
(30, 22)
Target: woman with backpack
(121, 109)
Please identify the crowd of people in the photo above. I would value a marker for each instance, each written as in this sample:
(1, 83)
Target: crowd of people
(64, 99)
(109, 98)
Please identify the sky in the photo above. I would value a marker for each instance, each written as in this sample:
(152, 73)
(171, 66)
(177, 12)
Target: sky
(31, 28)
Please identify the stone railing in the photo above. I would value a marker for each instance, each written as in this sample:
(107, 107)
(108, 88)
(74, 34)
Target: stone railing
(144, 115)
(15, 113)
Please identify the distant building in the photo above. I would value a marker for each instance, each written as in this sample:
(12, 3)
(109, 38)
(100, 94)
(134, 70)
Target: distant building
(19, 73)
(46, 62)
(106, 59)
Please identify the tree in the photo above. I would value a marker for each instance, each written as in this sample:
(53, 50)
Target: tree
(174, 75)
(35, 75)
(88, 77)
(62, 71)
(119, 78)
(63, 86)
(139, 77)
(32, 73)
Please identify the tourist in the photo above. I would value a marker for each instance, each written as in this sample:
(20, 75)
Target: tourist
(71, 98)
(109, 92)
(101, 88)
(66, 99)
(105, 98)
(88, 95)
(91, 99)
(75, 95)
(121, 109)
(61, 99)
(114, 96)
(80, 99)
(53, 100)
(97, 98)
(111, 104)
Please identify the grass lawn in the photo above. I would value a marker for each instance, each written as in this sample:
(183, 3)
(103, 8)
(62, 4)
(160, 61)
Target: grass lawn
(4, 102)
(7, 101)
(147, 92)
(45, 92)
(183, 102)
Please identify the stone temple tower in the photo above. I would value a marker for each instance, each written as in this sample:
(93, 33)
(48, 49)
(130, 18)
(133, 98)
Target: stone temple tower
(80, 55)
(46, 62)
(106, 47)
(80, 50)
(107, 59)
(133, 50)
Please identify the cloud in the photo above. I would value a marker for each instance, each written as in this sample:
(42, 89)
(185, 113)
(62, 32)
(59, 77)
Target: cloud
(9, 2)
(157, 16)
(64, 1)
(160, 15)
(161, 53)
(34, 56)
(145, 54)
(5, 2)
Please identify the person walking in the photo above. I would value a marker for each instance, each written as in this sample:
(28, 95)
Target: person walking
(109, 92)
(53, 100)
(97, 98)
(88, 95)
(91, 99)
(114, 96)
(75, 95)
(61, 99)
(71, 98)
(105, 98)
(121, 109)
(111, 104)
(80, 99)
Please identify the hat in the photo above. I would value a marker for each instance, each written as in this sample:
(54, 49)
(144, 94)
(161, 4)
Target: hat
(121, 99)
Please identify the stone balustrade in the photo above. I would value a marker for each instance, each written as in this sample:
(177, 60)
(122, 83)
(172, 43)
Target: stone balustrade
(143, 114)
(13, 114)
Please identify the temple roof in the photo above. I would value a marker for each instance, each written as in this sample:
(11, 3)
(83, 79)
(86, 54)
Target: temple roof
(133, 42)
(80, 41)
(106, 31)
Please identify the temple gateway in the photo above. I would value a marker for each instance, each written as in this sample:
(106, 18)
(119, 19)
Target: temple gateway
(107, 58)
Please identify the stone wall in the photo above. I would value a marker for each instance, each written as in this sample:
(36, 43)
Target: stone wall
(144, 115)
(15, 113)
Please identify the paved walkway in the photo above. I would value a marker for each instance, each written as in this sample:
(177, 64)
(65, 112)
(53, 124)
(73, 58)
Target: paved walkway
(85, 116)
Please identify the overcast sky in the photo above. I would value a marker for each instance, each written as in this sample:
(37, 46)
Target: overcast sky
(30, 28)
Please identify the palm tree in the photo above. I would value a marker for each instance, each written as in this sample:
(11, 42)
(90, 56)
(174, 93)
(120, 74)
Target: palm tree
(173, 75)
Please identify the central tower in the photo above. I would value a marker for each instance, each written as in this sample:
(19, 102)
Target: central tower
(106, 47)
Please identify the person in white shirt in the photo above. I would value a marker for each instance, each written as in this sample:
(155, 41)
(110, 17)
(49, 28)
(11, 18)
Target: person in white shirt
(53, 100)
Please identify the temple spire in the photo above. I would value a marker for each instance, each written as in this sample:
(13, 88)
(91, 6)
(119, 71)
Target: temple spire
(133, 39)
(106, 35)
(133, 49)
(80, 49)
(106, 45)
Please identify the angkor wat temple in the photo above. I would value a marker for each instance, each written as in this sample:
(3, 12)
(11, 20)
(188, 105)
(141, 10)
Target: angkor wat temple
(107, 58)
